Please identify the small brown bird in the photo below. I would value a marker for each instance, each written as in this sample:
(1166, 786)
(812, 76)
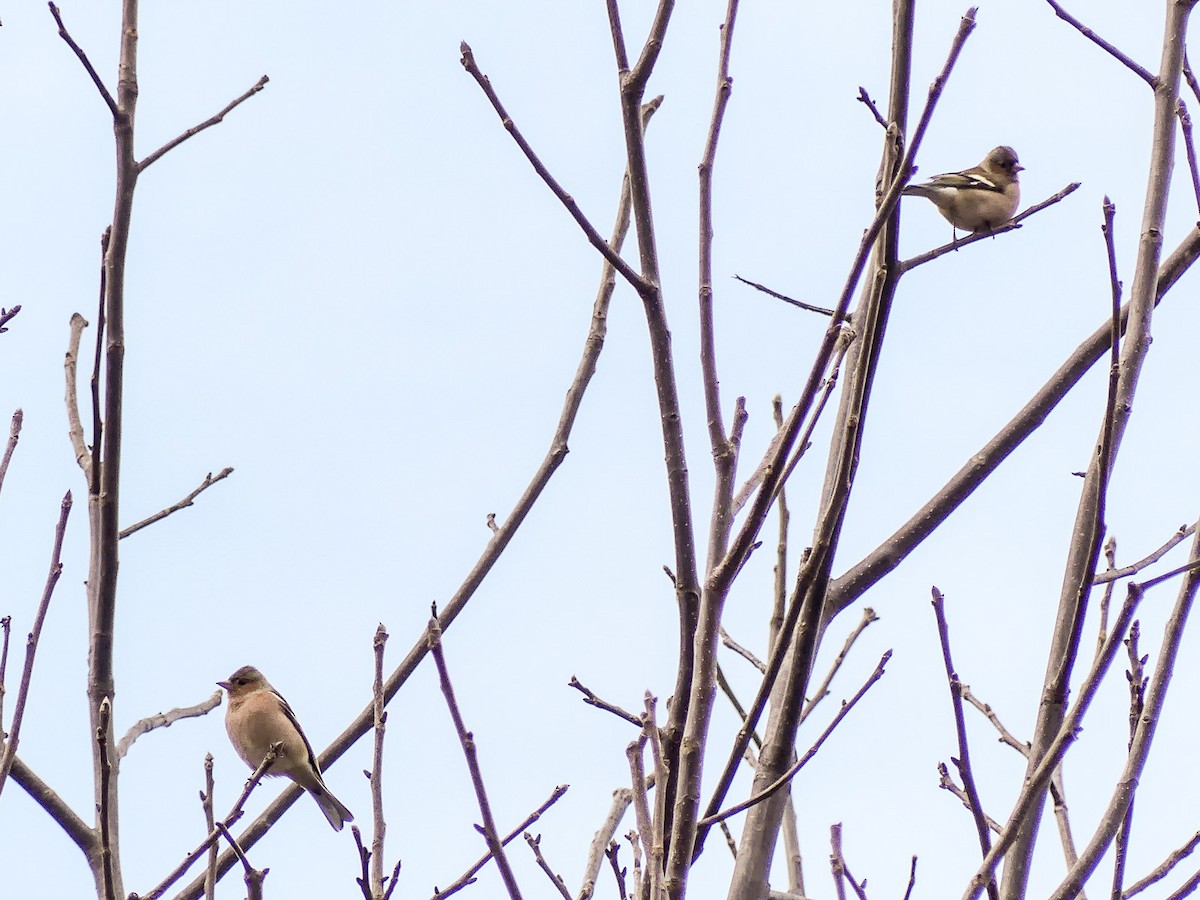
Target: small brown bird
(978, 199)
(258, 717)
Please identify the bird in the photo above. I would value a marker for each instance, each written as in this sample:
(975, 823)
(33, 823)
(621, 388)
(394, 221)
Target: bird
(258, 717)
(978, 199)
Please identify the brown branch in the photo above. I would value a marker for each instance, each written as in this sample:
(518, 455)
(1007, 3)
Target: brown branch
(7, 315)
(1184, 532)
(467, 740)
(946, 783)
(31, 644)
(1143, 73)
(468, 877)
(165, 720)
(1010, 225)
(865, 99)
(82, 834)
(618, 873)
(207, 123)
(1163, 869)
(83, 58)
(649, 836)
(853, 583)
(71, 370)
(107, 831)
(1136, 676)
(1037, 779)
(251, 876)
(210, 823)
(1189, 146)
(1006, 736)
(6, 627)
(535, 844)
(598, 850)
(787, 776)
(740, 650)
(209, 480)
(214, 834)
(808, 307)
(963, 763)
(594, 238)
(822, 691)
(378, 885)
(592, 700)
(14, 434)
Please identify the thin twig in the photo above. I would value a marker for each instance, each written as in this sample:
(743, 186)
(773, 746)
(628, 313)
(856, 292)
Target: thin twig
(822, 691)
(593, 236)
(946, 782)
(1010, 225)
(14, 434)
(165, 720)
(787, 776)
(7, 315)
(963, 763)
(87, 63)
(209, 480)
(210, 822)
(207, 123)
(740, 650)
(865, 99)
(1136, 676)
(808, 307)
(535, 844)
(468, 877)
(1163, 869)
(1143, 73)
(214, 834)
(912, 879)
(1006, 736)
(618, 873)
(467, 740)
(31, 643)
(1184, 532)
(1189, 146)
(592, 700)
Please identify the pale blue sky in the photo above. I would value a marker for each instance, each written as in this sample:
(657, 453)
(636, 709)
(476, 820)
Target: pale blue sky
(357, 293)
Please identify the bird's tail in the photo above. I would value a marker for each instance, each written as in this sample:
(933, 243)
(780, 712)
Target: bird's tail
(335, 811)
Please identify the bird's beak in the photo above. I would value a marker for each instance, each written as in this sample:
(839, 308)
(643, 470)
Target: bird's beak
(224, 684)
(1018, 168)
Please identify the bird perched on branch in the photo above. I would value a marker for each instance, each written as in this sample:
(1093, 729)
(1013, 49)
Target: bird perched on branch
(978, 199)
(258, 717)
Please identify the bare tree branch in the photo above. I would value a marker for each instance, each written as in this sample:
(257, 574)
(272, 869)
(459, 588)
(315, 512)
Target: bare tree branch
(207, 123)
(165, 720)
(31, 644)
(209, 481)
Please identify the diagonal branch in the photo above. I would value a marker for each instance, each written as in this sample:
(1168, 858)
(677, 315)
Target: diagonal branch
(196, 129)
(209, 481)
(1141, 71)
(593, 236)
(83, 58)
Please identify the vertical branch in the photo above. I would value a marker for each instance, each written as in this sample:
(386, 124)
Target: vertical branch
(1083, 552)
(684, 803)
(963, 762)
(687, 590)
(801, 636)
(14, 434)
(31, 644)
(210, 823)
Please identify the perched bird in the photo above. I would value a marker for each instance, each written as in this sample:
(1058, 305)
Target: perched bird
(978, 199)
(258, 717)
